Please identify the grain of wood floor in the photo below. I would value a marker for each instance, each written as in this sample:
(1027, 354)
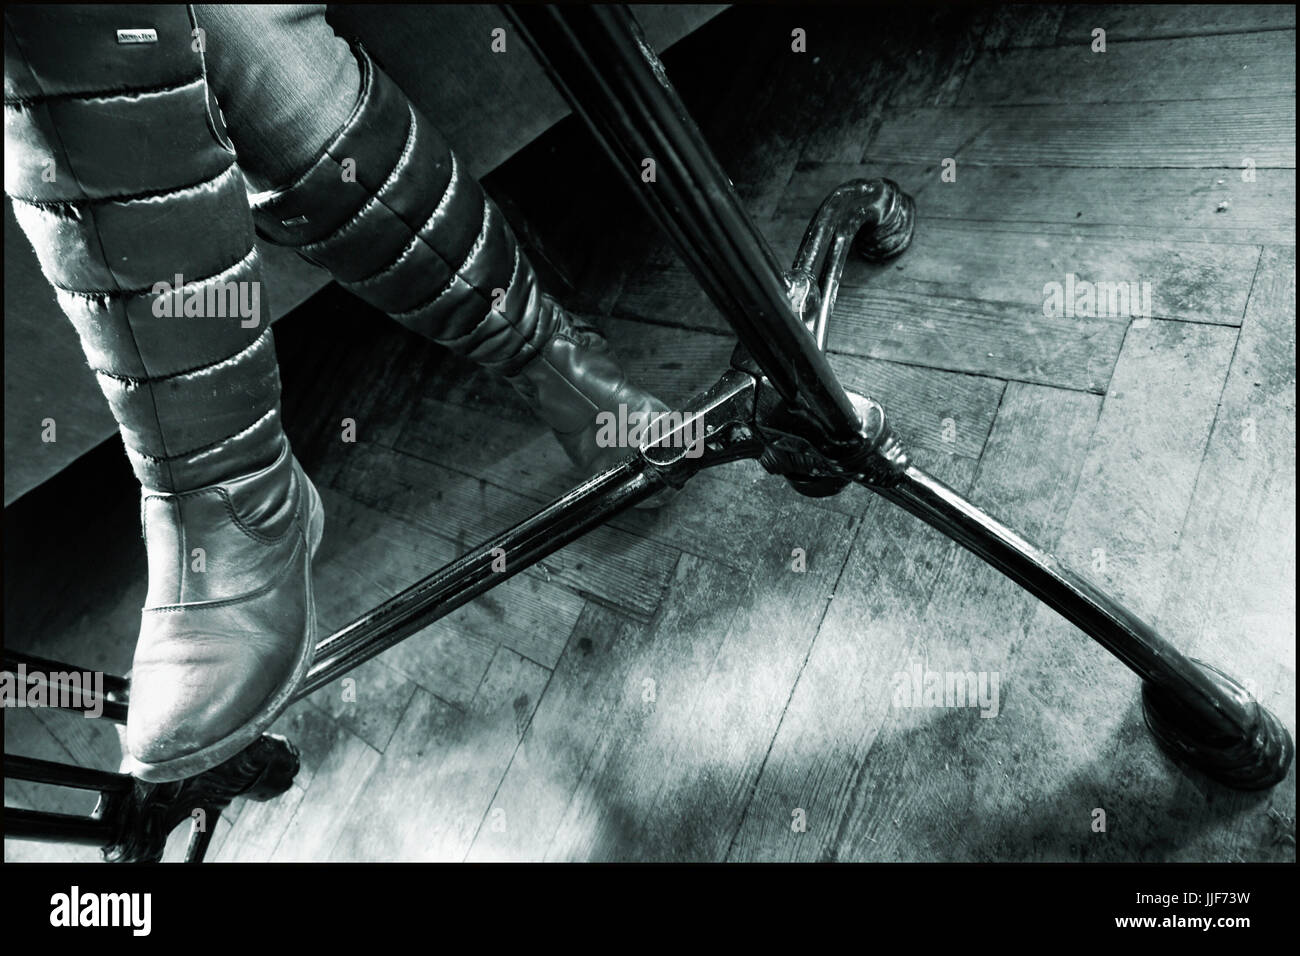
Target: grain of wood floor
(670, 687)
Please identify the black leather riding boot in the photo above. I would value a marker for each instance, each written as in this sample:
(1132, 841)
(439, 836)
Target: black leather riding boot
(390, 212)
(130, 195)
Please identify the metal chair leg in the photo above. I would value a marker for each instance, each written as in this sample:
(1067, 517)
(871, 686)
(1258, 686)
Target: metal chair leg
(132, 819)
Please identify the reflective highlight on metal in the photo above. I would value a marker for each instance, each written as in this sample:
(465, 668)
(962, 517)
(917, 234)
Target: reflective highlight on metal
(54, 677)
(873, 216)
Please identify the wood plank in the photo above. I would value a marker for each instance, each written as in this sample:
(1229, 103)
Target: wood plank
(504, 444)
(1070, 696)
(955, 259)
(330, 801)
(314, 733)
(677, 363)
(882, 313)
(985, 338)
(1149, 21)
(1130, 71)
(1137, 483)
(508, 447)
(597, 699)
(669, 782)
(1231, 595)
(970, 258)
(918, 801)
(874, 613)
(1230, 598)
(915, 795)
(599, 686)
(1196, 134)
(179, 840)
(1133, 204)
(434, 786)
(368, 700)
(366, 558)
(258, 826)
(909, 595)
(1060, 690)
(1008, 26)
(720, 515)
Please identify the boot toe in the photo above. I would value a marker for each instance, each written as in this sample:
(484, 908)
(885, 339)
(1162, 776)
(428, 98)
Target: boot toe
(209, 679)
(180, 707)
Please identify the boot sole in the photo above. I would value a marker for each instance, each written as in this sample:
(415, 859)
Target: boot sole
(217, 753)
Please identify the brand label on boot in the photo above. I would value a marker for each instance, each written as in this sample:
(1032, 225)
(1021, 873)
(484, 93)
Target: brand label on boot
(140, 35)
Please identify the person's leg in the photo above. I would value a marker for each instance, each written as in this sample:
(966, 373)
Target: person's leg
(379, 199)
(139, 217)
(284, 80)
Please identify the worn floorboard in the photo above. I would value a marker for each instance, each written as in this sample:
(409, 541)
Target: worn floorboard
(1142, 21)
(1195, 134)
(1202, 68)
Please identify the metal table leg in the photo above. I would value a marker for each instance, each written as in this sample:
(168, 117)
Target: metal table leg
(815, 432)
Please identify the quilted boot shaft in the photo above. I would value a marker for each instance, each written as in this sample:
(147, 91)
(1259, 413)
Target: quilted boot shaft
(137, 212)
(391, 212)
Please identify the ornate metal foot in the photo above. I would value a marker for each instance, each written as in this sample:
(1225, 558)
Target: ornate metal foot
(1254, 760)
(873, 217)
(146, 813)
(895, 221)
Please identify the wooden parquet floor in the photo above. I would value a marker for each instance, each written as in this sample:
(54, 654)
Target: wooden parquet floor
(672, 687)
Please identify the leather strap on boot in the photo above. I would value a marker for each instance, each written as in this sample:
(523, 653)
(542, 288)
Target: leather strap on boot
(121, 180)
(390, 211)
